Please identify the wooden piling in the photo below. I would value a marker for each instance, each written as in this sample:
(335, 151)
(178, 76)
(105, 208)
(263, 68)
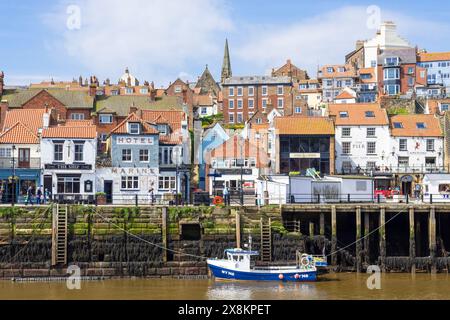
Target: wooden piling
(432, 238)
(412, 240)
(311, 230)
(382, 231)
(165, 232)
(333, 236)
(322, 224)
(366, 238)
(358, 239)
(238, 227)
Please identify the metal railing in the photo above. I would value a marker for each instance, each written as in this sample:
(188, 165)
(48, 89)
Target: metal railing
(380, 170)
(30, 163)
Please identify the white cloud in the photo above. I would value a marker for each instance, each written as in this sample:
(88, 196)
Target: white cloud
(322, 39)
(155, 39)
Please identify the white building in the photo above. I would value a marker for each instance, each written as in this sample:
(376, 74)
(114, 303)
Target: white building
(362, 138)
(68, 157)
(417, 143)
(386, 38)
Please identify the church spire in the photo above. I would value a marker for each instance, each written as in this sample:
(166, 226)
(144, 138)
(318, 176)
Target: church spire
(226, 66)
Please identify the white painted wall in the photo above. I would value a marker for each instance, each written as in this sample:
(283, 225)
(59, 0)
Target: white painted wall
(359, 141)
(417, 151)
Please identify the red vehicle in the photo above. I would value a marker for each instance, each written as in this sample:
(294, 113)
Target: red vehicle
(387, 193)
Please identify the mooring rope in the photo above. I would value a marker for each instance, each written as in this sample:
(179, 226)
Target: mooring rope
(146, 241)
(368, 235)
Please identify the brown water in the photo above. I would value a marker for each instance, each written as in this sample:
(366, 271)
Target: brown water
(331, 286)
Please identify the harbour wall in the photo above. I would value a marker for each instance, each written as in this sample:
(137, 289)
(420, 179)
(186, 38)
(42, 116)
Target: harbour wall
(128, 241)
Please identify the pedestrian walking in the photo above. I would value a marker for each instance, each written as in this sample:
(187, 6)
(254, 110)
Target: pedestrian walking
(29, 197)
(39, 196)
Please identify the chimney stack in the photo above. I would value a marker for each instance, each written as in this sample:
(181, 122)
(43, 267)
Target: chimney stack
(2, 84)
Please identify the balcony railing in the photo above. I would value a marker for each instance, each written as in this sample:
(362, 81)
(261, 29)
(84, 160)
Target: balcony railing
(30, 163)
(384, 170)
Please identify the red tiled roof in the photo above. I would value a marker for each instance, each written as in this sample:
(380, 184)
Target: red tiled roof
(78, 123)
(304, 126)
(409, 126)
(84, 132)
(357, 114)
(19, 134)
(344, 95)
(172, 118)
(122, 127)
(32, 118)
(433, 56)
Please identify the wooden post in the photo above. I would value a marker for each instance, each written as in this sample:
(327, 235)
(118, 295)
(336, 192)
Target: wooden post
(366, 238)
(412, 240)
(358, 238)
(432, 238)
(238, 228)
(311, 230)
(322, 224)
(165, 232)
(333, 236)
(382, 231)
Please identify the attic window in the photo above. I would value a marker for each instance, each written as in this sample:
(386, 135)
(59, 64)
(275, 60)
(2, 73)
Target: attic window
(162, 128)
(370, 114)
(398, 125)
(133, 128)
(420, 125)
(343, 114)
(177, 89)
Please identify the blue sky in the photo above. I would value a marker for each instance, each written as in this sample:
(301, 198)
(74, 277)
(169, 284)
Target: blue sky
(161, 40)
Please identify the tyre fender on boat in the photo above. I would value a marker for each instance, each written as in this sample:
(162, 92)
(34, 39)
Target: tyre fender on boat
(280, 276)
(305, 260)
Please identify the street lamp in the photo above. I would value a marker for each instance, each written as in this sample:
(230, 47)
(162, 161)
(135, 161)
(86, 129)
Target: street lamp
(176, 155)
(13, 191)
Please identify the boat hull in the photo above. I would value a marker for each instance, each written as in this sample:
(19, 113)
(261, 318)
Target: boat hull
(258, 275)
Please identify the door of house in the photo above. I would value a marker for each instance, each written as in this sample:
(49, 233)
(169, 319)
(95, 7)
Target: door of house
(108, 188)
(48, 184)
(24, 158)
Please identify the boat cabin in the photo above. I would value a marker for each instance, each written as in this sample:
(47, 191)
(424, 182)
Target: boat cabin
(240, 258)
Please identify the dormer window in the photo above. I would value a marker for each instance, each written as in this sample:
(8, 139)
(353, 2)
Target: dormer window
(391, 61)
(370, 114)
(398, 125)
(341, 69)
(133, 128)
(330, 70)
(162, 128)
(144, 91)
(129, 90)
(421, 125)
(343, 114)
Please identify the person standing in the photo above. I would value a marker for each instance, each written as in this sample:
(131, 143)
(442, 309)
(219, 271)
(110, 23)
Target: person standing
(46, 195)
(39, 195)
(226, 196)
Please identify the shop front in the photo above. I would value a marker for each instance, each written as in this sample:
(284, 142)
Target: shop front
(15, 190)
(70, 182)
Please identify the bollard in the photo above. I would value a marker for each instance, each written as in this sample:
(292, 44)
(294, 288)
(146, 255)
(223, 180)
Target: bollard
(136, 200)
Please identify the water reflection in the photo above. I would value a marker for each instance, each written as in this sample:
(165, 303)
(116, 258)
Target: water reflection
(261, 290)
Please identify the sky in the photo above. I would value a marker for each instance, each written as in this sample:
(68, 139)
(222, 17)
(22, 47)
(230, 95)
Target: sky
(161, 40)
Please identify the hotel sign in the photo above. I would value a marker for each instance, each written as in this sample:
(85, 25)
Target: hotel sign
(135, 141)
(304, 155)
(63, 166)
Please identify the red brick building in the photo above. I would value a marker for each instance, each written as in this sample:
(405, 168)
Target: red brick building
(244, 96)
